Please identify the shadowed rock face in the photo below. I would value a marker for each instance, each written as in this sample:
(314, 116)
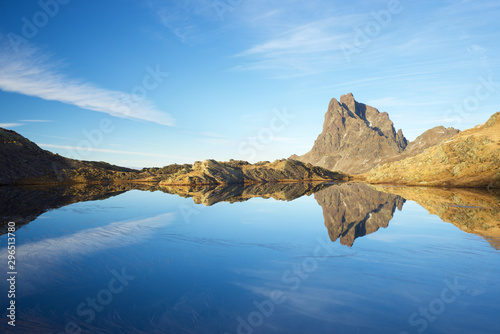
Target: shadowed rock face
(356, 138)
(24, 162)
(355, 210)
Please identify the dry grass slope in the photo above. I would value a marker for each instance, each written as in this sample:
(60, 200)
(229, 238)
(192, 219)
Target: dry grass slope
(469, 159)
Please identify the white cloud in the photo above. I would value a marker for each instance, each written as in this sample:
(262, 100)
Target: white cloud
(31, 72)
(213, 135)
(36, 120)
(103, 150)
(309, 38)
(303, 50)
(10, 125)
(186, 19)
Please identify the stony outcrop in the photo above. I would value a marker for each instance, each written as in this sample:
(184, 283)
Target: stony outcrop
(357, 137)
(469, 159)
(211, 172)
(353, 210)
(22, 162)
(429, 138)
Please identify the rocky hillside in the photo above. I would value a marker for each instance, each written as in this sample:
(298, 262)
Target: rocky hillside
(469, 159)
(23, 162)
(241, 172)
(356, 138)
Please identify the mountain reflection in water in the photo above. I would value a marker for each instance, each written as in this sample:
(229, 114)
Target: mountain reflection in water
(242, 243)
(350, 210)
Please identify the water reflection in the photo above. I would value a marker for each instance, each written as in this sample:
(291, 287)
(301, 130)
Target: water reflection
(206, 275)
(472, 210)
(355, 210)
(350, 210)
(210, 195)
(24, 204)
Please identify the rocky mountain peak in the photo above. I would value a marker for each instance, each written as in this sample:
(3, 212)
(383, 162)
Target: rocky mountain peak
(357, 137)
(348, 101)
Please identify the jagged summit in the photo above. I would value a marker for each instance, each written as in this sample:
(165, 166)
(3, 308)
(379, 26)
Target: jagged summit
(355, 138)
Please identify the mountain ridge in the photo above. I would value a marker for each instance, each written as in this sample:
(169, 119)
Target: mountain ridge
(469, 159)
(357, 137)
(24, 162)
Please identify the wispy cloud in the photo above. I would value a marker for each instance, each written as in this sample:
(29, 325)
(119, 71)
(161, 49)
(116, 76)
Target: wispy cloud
(185, 19)
(36, 120)
(309, 38)
(315, 41)
(104, 150)
(10, 125)
(213, 135)
(34, 73)
(299, 51)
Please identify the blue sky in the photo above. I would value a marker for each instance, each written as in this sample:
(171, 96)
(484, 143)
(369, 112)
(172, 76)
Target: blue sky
(150, 83)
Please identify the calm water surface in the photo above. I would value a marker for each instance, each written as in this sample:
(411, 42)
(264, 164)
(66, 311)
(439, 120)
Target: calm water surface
(347, 259)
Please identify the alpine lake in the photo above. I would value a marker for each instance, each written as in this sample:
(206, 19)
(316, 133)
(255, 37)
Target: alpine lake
(270, 258)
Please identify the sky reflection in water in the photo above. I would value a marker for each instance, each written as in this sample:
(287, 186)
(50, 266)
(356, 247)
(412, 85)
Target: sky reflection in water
(361, 261)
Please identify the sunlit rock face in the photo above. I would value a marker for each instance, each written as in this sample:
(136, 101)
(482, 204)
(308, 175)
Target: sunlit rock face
(469, 159)
(355, 210)
(357, 137)
(211, 172)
